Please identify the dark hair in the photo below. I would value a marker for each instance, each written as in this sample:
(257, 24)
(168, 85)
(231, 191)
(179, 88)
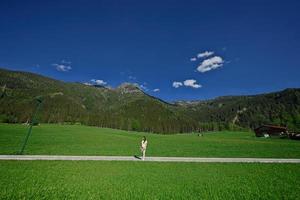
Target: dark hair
(144, 138)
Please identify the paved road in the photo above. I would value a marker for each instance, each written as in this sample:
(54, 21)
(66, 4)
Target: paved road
(150, 159)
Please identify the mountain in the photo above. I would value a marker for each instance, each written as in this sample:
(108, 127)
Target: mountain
(128, 107)
(278, 108)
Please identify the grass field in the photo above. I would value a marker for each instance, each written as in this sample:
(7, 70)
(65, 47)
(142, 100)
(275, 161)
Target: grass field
(84, 140)
(138, 180)
(144, 180)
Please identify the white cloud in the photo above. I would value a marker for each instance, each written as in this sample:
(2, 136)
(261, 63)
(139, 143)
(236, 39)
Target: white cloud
(156, 90)
(210, 64)
(205, 54)
(193, 59)
(143, 87)
(87, 83)
(177, 84)
(191, 83)
(62, 67)
(187, 83)
(98, 82)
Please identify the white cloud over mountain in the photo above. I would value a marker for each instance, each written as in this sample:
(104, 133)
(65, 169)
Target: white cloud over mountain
(144, 87)
(187, 83)
(191, 83)
(63, 66)
(177, 84)
(98, 82)
(210, 64)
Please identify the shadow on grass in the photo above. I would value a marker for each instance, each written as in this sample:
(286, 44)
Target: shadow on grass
(137, 157)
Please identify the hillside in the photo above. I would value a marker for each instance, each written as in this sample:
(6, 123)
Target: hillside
(280, 108)
(128, 107)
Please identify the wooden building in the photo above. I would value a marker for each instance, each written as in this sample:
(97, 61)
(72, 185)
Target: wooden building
(270, 130)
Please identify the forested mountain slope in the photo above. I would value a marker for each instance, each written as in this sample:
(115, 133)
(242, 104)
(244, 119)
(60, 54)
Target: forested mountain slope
(128, 107)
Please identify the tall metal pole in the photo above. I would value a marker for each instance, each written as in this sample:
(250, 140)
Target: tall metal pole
(31, 124)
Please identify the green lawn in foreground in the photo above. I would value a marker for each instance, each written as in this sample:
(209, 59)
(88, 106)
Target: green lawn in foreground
(145, 180)
(84, 140)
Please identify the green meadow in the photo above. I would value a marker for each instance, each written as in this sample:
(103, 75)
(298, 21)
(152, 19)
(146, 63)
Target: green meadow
(144, 180)
(84, 140)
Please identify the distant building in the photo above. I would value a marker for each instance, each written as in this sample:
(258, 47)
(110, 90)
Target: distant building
(270, 130)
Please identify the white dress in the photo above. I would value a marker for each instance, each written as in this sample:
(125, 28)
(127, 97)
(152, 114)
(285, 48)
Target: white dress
(143, 148)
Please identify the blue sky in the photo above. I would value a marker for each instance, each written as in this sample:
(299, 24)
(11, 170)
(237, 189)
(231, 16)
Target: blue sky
(251, 46)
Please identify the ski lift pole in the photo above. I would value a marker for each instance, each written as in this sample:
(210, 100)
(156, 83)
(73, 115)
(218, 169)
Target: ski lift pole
(31, 124)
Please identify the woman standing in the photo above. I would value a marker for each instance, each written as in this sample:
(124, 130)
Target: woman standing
(144, 147)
